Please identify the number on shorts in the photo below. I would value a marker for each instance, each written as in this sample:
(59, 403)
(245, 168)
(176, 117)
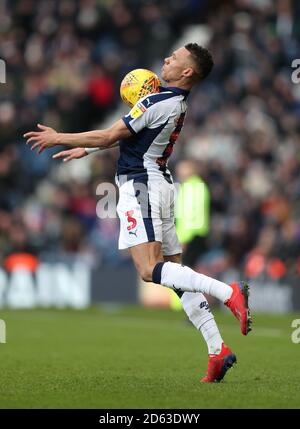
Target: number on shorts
(130, 219)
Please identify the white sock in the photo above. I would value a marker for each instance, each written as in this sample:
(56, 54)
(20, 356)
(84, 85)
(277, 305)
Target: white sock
(183, 279)
(197, 309)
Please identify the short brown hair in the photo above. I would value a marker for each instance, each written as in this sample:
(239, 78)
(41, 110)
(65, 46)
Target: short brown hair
(202, 58)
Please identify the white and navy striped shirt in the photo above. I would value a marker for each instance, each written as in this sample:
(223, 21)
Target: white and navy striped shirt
(155, 123)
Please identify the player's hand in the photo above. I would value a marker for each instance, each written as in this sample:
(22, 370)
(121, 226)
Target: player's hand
(68, 155)
(43, 139)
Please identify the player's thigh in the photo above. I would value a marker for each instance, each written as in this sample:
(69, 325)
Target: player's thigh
(145, 256)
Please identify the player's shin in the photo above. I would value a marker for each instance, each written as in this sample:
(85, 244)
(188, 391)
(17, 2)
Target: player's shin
(197, 309)
(183, 278)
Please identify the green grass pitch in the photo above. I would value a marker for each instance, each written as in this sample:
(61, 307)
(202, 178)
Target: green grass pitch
(140, 358)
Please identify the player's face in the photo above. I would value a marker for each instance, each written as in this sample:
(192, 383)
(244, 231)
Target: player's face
(175, 65)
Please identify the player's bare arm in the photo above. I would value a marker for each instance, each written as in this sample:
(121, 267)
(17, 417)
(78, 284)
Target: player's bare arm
(47, 137)
(80, 152)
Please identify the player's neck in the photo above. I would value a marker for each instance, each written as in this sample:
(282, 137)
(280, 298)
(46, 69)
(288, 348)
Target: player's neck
(185, 86)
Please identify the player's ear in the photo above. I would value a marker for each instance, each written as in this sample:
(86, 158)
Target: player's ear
(188, 72)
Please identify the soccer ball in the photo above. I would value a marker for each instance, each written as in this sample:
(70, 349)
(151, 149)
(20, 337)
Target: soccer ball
(138, 83)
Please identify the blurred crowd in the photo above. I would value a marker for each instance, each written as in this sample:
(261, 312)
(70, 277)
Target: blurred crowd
(65, 60)
(244, 129)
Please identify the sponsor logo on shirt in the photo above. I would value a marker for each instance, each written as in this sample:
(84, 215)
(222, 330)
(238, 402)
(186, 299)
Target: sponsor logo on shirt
(137, 110)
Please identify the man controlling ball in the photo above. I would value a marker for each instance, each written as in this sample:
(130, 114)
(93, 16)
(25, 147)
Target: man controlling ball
(146, 136)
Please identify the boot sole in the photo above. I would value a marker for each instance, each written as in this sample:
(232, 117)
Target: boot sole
(229, 361)
(244, 287)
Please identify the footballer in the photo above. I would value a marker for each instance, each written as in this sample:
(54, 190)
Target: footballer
(146, 136)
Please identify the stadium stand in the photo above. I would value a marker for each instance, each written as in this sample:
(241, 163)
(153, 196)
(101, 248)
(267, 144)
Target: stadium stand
(65, 60)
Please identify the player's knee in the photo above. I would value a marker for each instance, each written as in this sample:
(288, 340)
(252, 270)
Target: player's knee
(146, 272)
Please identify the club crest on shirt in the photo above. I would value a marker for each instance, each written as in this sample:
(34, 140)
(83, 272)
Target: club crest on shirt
(137, 110)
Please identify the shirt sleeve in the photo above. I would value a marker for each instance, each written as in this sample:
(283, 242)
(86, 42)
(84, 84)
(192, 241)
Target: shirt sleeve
(146, 114)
